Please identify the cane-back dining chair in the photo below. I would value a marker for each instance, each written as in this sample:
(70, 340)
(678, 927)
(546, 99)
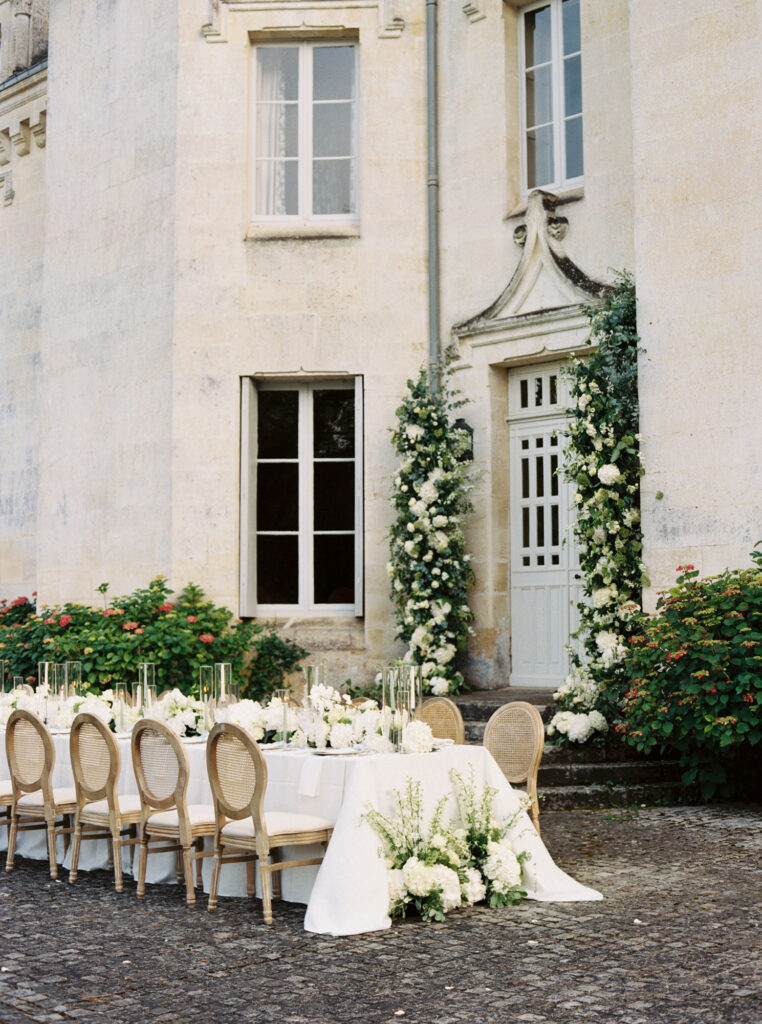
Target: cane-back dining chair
(515, 736)
(238, 777)
(102, 812)
(443, 716)
(6, 801)
(161, 771)
(36, 802)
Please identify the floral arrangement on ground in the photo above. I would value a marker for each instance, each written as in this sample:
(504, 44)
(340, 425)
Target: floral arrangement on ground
(436, 867)
(429, 568)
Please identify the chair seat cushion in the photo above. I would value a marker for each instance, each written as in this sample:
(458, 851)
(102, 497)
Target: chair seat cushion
(278, 823)
(129, 803)
(198, 814)
(6, 791)
(62, 795)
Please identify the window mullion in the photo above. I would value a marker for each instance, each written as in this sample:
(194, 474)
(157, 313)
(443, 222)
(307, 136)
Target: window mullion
(306, 500)
(306, 138)
(557, 78)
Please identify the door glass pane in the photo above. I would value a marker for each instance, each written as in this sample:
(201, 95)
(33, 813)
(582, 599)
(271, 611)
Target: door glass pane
(572, 86)
(537, 31)
(334, 495)
(277, 187)
(333, 186)
(277, 424)
(277, 73)
(332, 129)
(277, 130)
(540, 467)
(539, 93)
(525, 478)
(570, 9)
(574, 148)
(333, 72)
(554, 475)
(540, 156)
(334, 423)
(554, 525)
(335, 570)
(540, 526)
(525, 542)
(277, 496)
(278, 570)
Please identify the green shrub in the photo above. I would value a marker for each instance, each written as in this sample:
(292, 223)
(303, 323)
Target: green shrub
(695, 677)
(146, 625)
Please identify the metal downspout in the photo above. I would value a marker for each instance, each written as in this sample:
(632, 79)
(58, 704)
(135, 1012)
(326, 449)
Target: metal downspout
(433, 192)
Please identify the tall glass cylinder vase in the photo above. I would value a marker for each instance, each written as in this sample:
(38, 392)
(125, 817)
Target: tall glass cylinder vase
(121, 702)
(411, 685)
(5, 676)
(282, 735)
(392, 705)
(206, 694)
(314, 676)
(223, 677)
(144, 688)
(72, 678)
(45, 675)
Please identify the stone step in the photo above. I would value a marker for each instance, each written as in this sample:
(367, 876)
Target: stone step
(565, 798)
(479, 705)
(607, 773)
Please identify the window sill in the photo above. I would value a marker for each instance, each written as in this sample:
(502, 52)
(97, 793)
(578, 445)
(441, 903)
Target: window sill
(563, 196)
(277, 232)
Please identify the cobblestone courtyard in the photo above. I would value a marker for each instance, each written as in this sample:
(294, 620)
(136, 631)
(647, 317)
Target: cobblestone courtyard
(677, 940)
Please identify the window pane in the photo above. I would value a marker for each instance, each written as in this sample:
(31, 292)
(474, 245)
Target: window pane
(537, 29)
(554, 531)
(554, 475)
(277, 130)
(277, 73)
(278, 570)
(278, 424)
(571, 31)
(333, 423)
(540, 475)
(574, 147)
(525, 543)
(277, 187)
(538, 391)
(333, 71)
(332, 129)
(334, 570)
(572, 86)
(524, 384)
(334, 484)
(553, 389)
(277, 496)
(540, 526)
(539, 96)
(539, 157)
(332, 186)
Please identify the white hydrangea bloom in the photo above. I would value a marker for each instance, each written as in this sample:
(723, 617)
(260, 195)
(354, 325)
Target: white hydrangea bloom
(608, 474)
(428, 492)
(418, 877)
(341, 735)
(419, 738)
(501, 866)
(473, 890)
(602, 597)
(447, 880)
(598, 721)
(413, 431)
(439, 685)
(579, 728)
(397, 889)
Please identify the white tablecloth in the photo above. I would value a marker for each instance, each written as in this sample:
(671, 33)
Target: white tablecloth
(347, 894)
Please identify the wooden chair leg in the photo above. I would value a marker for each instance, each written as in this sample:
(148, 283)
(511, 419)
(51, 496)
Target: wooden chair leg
(66, 823)
(190, 892)
(251, 878)
(12, 842)
(142, 858)
(267, 903)
(116, 846)
(277, 876)
(199, 844)
(75, 851)
(133, 834)
(214, 884)
(179, 865)
(52, 848)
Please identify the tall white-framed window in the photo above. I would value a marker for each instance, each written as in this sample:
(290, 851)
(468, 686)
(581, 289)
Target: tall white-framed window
(304, 133)
(550, 57)
(301, 497)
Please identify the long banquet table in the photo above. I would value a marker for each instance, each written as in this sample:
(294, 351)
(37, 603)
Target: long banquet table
(347, 893)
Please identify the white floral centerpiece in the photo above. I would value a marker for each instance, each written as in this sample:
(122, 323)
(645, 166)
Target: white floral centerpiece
(182, 713)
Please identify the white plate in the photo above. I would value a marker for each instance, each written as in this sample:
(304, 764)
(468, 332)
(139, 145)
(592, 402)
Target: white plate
(123, 735)
(441, 744)
(59, 732)
(193, 739)
(330, 752)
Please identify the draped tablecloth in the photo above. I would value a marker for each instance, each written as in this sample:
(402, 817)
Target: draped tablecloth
(348, 893)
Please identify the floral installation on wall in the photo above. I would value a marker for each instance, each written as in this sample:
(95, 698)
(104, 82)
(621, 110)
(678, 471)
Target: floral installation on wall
(434, 868)
(429, 569)
(603, 461)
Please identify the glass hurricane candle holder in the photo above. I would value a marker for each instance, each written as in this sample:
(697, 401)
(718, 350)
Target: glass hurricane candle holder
(72, 678)
(314, 675)
(223, 678)
(46, 675)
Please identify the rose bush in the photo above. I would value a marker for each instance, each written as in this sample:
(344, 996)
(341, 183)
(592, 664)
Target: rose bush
(695, 677)
(177, 636)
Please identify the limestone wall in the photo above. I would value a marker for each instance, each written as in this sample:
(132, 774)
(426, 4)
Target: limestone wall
(22, 206)
(104, 511)
(698, 256)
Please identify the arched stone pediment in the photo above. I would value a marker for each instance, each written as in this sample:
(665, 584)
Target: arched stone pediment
(545, 286)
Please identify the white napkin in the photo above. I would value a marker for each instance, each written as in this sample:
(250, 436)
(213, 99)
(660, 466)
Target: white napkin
(309, 778)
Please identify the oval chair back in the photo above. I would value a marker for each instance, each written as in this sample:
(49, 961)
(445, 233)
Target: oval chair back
(237, 774)
(515, 737)
(160, 764)
(31, 754)
(95, 760)
(443, 716)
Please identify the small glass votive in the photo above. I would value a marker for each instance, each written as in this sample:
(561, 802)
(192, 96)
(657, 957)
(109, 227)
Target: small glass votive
(281, 735)
(121, 702)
